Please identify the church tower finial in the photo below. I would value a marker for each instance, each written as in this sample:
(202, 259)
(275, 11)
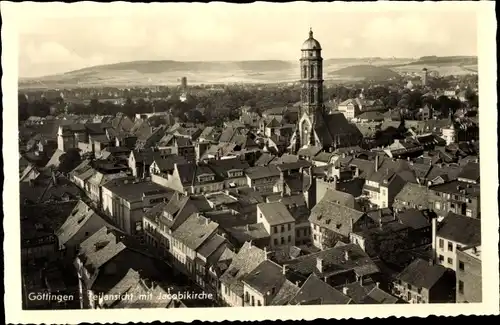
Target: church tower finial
(310, 32)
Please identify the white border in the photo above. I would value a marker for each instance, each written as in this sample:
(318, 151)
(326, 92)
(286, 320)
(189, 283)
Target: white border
(12, 14)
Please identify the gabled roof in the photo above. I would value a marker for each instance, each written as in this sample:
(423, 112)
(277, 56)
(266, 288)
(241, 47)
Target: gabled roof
(317, 292)
(266, 278)
(276, 213)
(422, 274)
(334, 262)
(264, 159)
(80, 215)
(262, 172)
(247, 259)
(333, 216)
(460, 229)
(195, 231)
(470, 172)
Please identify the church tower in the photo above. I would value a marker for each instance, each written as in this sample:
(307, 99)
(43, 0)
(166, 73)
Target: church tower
(311, 79)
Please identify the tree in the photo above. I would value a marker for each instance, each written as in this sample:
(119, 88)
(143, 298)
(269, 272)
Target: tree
(69, 160)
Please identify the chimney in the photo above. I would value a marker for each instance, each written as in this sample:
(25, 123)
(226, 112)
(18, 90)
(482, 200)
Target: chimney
(335, 180)
(356, 172)
(377, 284)
(376, 163)
(284, 269)
(345, 291)
(265, 253)
(346, 255)
(434, 230)
(319, 264)
(352, 224)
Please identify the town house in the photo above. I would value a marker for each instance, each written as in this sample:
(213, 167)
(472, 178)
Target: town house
(105, 258)
(336, 266)
(332, 222)
(80, 224)
(124, 201)
(267, 285)
(469, 280)
(383, 185)
(424, 282)
(244, 262)
(278, 222)
(456, 196)
(455, 232)
(164, 218)
(264, 178)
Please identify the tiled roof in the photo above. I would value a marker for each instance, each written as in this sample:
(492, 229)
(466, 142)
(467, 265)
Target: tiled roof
(266, 278)
(211, 245)
(264, 159)
(195, 231)
(80, 215)
(342, 198)
(379, 296)
(167, 163)
(422, 274)
(310, 151)
(223, 166)
(470, 172)
(356, 290)
(414, 219)
(334, 262)
(134, 191)
(284, 159)
(262, 172)
(457, 187)
(415, 194)
(247, 259)
(287, 291)
(460, 229)
(101, 247)
(249, 232)
(276, 213)
(333, 216)
(315, 291)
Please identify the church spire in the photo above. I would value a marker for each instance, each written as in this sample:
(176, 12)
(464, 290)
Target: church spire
(310, 32)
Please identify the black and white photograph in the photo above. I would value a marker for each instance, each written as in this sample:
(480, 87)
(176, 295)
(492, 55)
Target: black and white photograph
(280, 155)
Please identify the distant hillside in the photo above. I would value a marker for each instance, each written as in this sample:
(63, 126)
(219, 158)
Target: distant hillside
(370, 72)
(172, 66)
(169, 72)
(440, 61)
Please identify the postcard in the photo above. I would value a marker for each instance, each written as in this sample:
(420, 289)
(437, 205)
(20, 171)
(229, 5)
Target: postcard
(249, 162)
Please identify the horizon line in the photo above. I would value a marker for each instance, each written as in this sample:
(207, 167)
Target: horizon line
(249, 60)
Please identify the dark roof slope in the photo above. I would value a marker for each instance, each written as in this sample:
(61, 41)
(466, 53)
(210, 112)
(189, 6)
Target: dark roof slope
(460, 229)
(422, 274)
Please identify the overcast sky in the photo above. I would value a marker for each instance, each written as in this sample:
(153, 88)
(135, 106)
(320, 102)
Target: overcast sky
(73, 36)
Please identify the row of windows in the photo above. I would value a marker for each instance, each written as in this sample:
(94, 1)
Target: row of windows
(306, 232)
(251, 299)
(283, 241)
(449, 260)
(276, 228)
(450, 245)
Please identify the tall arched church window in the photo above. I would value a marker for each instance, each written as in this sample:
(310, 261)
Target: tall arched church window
(311, 95)
(313, 71)
(304, 72)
